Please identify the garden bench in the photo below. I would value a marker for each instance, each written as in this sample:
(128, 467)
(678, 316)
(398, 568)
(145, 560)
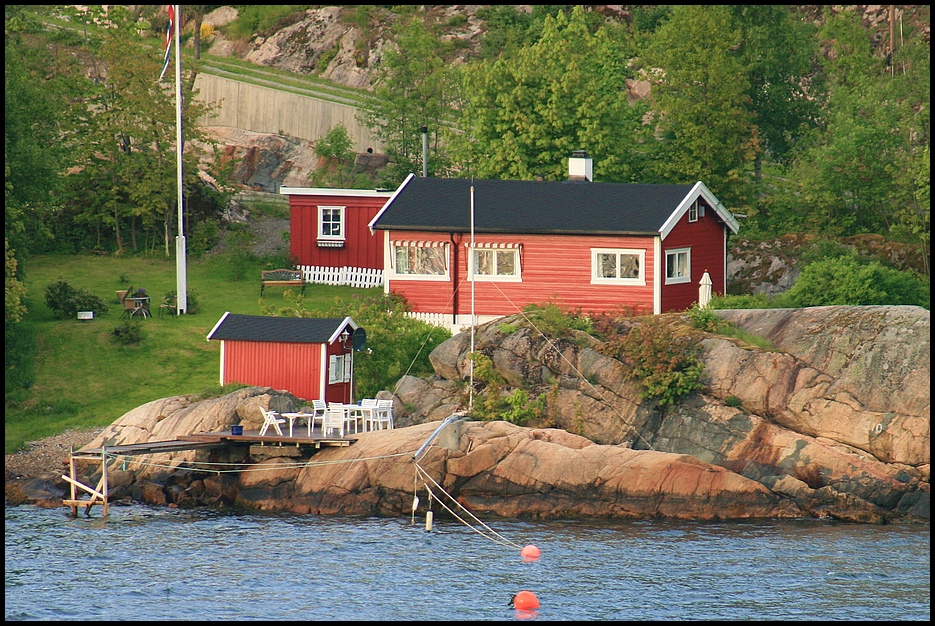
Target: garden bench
(291, 278)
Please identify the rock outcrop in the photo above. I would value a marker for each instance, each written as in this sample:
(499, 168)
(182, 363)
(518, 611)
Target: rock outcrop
(834, 422)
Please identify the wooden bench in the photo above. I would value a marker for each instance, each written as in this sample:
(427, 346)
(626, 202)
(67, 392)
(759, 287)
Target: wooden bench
(290, 278)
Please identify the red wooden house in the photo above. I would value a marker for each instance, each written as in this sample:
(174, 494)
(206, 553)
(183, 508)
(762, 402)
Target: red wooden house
(308, 357)
(329, 235)
(593, 246)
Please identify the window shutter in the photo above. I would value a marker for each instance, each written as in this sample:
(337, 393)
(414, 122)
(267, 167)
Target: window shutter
(334, 375)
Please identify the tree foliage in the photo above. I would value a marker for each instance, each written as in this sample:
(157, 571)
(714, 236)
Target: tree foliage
(523, 115)
(413, 90)
(337, 166)
(702, 103)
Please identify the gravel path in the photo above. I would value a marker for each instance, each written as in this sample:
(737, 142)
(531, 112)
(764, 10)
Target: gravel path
(46, 455)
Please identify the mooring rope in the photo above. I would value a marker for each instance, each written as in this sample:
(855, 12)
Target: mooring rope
(497, 537)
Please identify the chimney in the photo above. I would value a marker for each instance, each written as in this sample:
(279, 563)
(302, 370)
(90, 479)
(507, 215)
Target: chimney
(579, 166)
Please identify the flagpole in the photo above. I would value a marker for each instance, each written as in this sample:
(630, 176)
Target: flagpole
(181, 284)
(471, 261)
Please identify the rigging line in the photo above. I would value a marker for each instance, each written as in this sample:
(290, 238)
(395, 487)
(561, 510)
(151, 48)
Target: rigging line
(425, 475)
(424, 341)
(501, 541)
(576, 370)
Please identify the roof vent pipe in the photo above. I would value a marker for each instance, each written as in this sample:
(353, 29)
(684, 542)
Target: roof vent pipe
(580, 166)
(425, 152)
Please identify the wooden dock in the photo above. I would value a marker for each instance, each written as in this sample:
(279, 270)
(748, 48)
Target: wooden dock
(261, 446)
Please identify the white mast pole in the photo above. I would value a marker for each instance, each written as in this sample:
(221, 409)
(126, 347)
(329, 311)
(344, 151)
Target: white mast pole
(473, 318)
(181, 284)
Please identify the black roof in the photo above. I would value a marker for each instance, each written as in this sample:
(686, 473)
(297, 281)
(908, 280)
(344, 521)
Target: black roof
(278, 329)
(517, 206)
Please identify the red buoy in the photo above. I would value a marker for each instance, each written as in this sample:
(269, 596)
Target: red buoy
(525, 600)
(530, 553)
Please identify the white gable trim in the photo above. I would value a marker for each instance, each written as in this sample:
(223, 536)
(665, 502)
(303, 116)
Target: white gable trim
(216, 326)
(347, 321)
(699, 190)
(390, 201)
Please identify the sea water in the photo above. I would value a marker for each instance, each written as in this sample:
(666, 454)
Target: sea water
(150, 563)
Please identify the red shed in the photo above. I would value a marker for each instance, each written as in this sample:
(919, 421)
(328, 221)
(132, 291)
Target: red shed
(593, 246)
(311, 358)
(329, 235)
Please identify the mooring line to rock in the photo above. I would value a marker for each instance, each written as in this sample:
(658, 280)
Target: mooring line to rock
(576, 370)
(496, 537)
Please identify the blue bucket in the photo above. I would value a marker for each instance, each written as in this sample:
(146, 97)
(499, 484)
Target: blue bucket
(237, 429)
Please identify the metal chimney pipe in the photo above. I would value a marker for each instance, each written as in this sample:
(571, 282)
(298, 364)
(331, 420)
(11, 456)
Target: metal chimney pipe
(425, 152)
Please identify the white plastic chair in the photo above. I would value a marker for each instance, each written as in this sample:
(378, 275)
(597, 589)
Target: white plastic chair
(383, 416)
(333, 420)
(319, 408)
(368, 408)
(271, 418)
(351, 415)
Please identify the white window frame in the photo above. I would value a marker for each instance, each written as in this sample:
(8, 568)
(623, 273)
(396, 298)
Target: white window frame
(676, 252)
(693, 211)
(430, 277)
(597, 279)
(342, 211)
(339, 368)
(504, 278)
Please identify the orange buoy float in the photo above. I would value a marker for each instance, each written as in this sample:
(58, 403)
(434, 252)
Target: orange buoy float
(524, 601)
(530, 553)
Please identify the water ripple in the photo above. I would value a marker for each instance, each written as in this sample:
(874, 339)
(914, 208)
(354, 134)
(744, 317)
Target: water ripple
(164, 564)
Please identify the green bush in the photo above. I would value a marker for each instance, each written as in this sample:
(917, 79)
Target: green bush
(193, 306)
(663, 360)
(704, 318)
(205, 235)
(552, 320)
(130, 333)
(65, 300)
(745, 301)
(845, 280)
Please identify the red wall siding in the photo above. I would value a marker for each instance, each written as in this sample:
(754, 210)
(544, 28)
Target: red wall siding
(554, 267)
(295, 367)
(361, 249)
(706, 240)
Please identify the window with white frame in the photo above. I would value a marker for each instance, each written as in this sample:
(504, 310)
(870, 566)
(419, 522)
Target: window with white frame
(695, 211)
(331, 225)
(678, 266)
(339, 368)
(500, 264)
(420, 260)
(618, 266)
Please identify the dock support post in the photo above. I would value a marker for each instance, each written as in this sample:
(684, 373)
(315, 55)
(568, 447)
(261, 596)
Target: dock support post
(73, 473)
(104, 480)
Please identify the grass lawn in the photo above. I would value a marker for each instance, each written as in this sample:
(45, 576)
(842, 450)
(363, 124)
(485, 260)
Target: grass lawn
(83, 378)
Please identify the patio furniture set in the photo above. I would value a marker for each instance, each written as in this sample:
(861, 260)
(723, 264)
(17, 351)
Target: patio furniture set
(334, 417)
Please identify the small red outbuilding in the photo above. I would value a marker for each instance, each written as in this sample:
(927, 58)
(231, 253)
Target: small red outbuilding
(311, 358)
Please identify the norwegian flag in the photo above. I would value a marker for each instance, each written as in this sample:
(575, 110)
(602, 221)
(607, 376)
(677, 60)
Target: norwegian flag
(169, 33)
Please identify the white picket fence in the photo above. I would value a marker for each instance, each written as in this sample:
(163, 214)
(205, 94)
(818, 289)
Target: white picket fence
(362, 277)
(435, 319)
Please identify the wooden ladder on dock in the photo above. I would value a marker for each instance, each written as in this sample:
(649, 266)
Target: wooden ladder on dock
(98, 493)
